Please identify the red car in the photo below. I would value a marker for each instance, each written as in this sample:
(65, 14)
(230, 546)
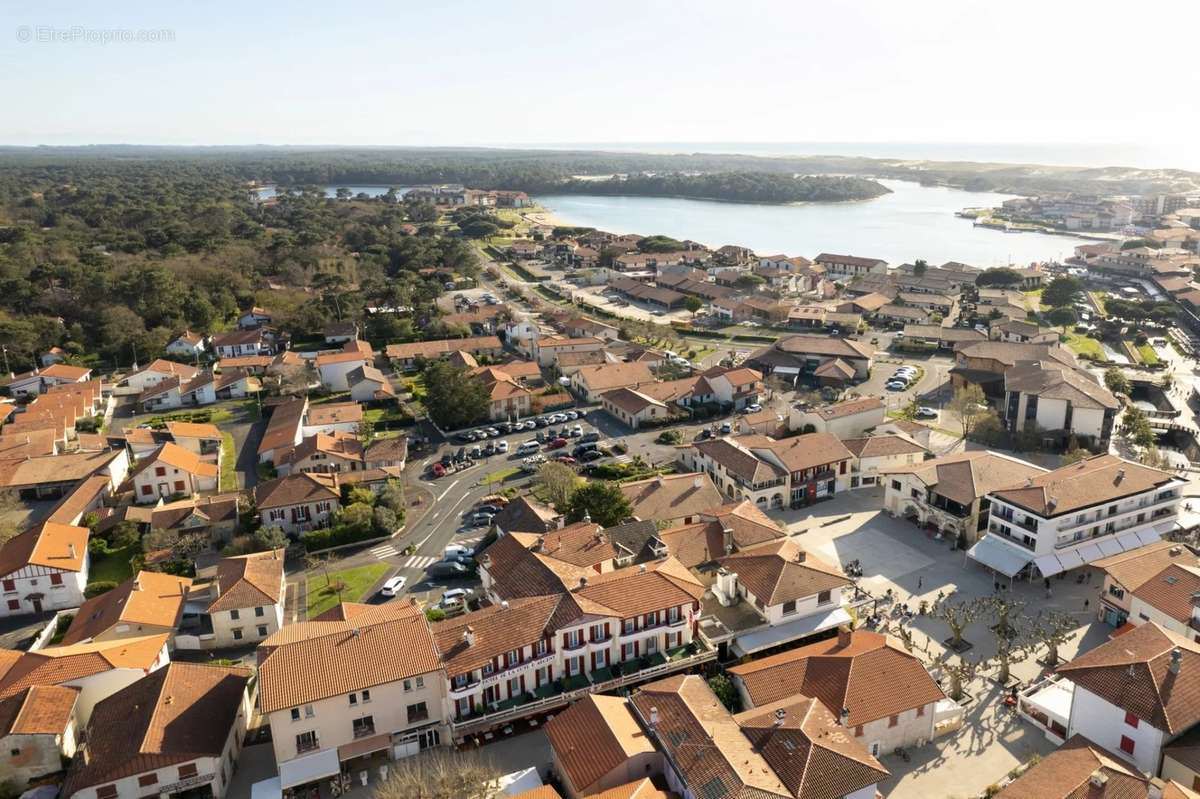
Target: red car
(438, 470)
(557, 443)
(567, 459)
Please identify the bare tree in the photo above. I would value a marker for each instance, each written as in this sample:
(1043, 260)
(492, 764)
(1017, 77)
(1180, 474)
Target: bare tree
(1053, 629)
(960, 671)
(957, 616)
(294, 380)
(323, 562)
(968, 406)
(10, 506)
(440, 774)
(1016, 637)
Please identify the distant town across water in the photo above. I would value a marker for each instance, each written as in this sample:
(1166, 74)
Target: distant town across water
(912, 222)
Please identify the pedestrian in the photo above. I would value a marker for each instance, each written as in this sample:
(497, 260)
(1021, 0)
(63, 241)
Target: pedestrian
(920, 582)
(1086, 603)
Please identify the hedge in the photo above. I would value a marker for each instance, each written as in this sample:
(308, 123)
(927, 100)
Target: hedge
(335, 537)
(97, 588)
(758, 339)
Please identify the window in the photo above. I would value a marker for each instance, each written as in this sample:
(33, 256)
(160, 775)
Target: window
(295, 714)
(262, 631)
(420, 683)
(893, 721)
(407, 686)
(488, 668)
(628, 626)
(417, 712)
(540, 648)
(460, 680)
(920, 711)
(237, 633)
(187, 770)
(1116, 591)
(179, 486)
(259, 611)
(353, 700)
(1127, 744)
(106, 792)
(15, 751)
(308, 712)
(823, 597)
(915, 494)
(147, 490)
(1131, 720)
(858, 731)
(789, 607)
(56, 579)
(14, 604)
(673, 615)
(233, 614)
(514, 657)
(306, 741)
(160, 471)
(9, 586)
(895, 487)
(363, 726)
(366, 695)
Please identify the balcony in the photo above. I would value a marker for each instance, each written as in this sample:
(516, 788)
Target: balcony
(564, 691)
(307, 746)
(575, 647)
(1154, 507)
(363, 730)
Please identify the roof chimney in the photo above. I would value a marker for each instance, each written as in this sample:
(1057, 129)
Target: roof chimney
(844, 636)
(1098, 779)
(71, 550)
(844, 716)
(486, 560)
(727, 539)
(1155, 788)
(469, 635)
(504, 604)
(583, 581)
(697, 481)
(653, 717)
(1120, 475)
(801, 555)
(137, 582)
(587, 516)
(1176, 660)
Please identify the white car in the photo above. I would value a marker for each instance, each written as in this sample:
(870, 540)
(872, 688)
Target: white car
(454, 597)
(394, 586)
(502, 446)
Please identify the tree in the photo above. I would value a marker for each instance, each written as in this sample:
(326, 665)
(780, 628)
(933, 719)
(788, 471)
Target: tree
(558, 481)
(1015, 633)
(125, 534)
(454, 400)
(960, 671)
(1053, 629)
(602, 502)
(1062, 290)
(1074, 455)
(1116, 381)
(1000, 277)
(957, 617)
(294, 380)
(723, 688)
(440, 774)
(1138, 428)
(969, 406)
(920, 266)
(693, 304)
(270, 537)
(1062, 317)
(749, 281)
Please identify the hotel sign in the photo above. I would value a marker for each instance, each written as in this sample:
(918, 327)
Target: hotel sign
(183, 785)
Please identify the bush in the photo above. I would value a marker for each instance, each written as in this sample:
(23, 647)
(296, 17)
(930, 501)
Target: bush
(99, 587)
(669, 437)
(435, 614)
(337, 536)
(385, 521)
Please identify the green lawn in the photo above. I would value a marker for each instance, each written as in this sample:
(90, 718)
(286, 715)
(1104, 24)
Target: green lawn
(1147, 354)
(501, 475)
(357, 582)
(114, 567)
(228, 463)
(1082, 345)
(1033, 299)
(385, 414)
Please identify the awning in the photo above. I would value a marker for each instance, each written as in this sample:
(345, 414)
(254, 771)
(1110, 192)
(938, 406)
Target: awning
(1090, 552)
(309, 768)
(773, 636)
(1048, 565)
(266, 789)
(1070, 560)
(1110, 546)
(998, 556)
(364, 746)
(1129, 541)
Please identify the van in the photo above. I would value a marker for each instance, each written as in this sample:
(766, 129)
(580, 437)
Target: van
(589, 438)
(582, 448)
(456, 551)
(528, 447)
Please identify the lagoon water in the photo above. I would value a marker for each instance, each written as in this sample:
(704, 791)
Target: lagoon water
(912, 222)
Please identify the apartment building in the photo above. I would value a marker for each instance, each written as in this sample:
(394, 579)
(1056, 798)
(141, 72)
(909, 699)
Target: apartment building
(353, 682)
(1078, 514)
(1145, 571)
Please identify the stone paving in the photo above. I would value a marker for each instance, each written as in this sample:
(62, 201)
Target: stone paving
(914, 565)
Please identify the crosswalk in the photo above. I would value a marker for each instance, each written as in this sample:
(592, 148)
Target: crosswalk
(469, 542)
(384, 551)
(418, 562)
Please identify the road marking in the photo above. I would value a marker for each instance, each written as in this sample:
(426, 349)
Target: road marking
(384, 551)
(448, 489)
(418, 562)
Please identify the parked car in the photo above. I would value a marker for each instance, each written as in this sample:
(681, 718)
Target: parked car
(726, 427)
(493, 432)
(754, 408)
(446, 569)
(529, 447)
(438, 470)
(588, 438)
(576, 431)
(567, 459)
(453, 597)
(493, 509)
(573, 415)
(587, 446)
(557, 443)
(393, 586)
(476, 452)
(926, 413)
(481, 519)
(896, 385)
(591, 455)
(501, 446)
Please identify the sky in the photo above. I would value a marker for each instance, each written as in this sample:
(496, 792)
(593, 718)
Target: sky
(569, 72)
